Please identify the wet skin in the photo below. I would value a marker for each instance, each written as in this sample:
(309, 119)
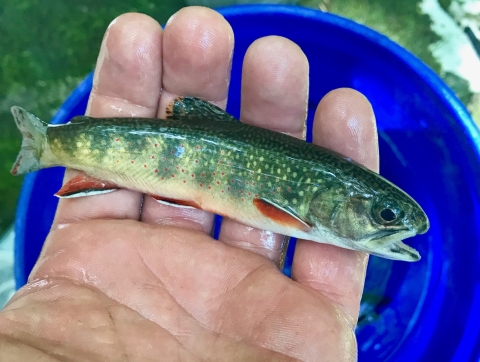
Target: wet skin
(126, 278)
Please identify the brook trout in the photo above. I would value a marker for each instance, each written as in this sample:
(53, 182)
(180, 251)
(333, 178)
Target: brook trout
(202, 157)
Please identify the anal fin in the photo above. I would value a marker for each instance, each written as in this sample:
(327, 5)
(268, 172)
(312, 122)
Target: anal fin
(84, 185)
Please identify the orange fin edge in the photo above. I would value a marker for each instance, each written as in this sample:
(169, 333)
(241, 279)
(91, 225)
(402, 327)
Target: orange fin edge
(85, 185)
(279, 215)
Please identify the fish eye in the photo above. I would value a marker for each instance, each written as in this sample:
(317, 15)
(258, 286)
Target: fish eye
(388, 215)
(386, 211)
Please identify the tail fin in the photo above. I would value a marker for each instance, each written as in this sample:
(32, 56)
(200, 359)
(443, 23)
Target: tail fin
(34, 132)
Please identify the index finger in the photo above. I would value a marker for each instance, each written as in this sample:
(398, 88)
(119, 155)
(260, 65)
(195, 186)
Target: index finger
(344, 122)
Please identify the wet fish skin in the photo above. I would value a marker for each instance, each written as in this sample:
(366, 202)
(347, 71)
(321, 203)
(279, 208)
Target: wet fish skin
(203, 156)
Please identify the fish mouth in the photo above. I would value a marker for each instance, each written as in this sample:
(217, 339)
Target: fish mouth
(423, 224)
(390, 246)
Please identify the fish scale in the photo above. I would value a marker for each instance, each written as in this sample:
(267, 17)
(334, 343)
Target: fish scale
(202, 157)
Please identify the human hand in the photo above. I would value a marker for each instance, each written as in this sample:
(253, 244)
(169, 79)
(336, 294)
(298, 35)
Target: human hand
(121, 279)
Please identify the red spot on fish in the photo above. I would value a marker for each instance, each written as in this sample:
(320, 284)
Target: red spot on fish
(246, 183)
(229, 163)
(132, 161)
(156, 144)
(243, 199)
(198, 147)
(233, 171)
(164, 158)
(176, 167)
(144, 165)
(239, 181)
(156, 171)
(233, 181)
(153, 156)
(249, 194)
(183, 146)
(253, 183)
(173, 152)
(279, 216)
(251, 172)
(261, 185)
(228, 188)
(213, 174)
(201, 185)
(278, 189)
(183, 170)
(117, 139)
(289, 189)
(203, 175)
(223, 173)
(163, 178)
(256, 195)
(218, 182)
(196, 161)
(173, 175)
(166, 169)
(184, 181)
(209, 187)
(193, 175)
(241, 192)
(118, 161)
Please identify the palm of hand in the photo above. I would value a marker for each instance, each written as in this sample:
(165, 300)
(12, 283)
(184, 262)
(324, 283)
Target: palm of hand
(119, 279)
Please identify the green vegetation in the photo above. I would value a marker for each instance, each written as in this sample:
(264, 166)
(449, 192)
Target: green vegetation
(46, 48)
(402, 22)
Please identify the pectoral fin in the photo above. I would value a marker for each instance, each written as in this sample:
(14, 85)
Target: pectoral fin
(195, 108)
(280, 215)
(84, 185)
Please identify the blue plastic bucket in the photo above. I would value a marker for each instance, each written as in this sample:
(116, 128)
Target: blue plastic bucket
(429, 146)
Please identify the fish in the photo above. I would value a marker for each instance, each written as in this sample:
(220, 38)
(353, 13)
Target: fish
(199, 156)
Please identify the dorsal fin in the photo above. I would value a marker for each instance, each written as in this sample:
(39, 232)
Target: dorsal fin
(195, 108)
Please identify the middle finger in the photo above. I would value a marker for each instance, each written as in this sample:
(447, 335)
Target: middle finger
(274, 96)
